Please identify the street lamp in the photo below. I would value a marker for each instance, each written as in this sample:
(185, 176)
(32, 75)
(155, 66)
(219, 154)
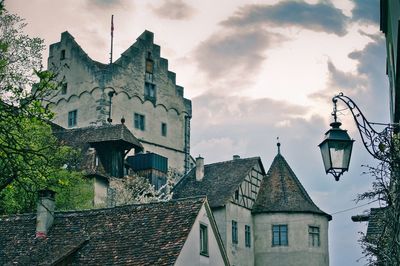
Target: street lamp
(337, 146)
(336, 150)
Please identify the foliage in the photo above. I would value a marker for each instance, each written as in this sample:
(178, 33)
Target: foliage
(30, 156)
(383, 247)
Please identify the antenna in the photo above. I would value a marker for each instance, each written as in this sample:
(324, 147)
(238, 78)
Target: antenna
(112, 37)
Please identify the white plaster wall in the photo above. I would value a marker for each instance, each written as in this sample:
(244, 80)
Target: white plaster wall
(298, 252)
(238, 254)
(190, 254)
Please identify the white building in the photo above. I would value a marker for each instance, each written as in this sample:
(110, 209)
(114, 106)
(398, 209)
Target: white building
(137, 88)
(263, 218)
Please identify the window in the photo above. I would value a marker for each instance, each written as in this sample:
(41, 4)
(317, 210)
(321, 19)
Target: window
(313, 236)
(62, 55)
(139, 121)
(72, 118)
(64, 88)
(203, 240)
(234, 232)
(280, 235)
(237, 194)
(149, 90)
(149, 68)
(247, 236)
(164, 129)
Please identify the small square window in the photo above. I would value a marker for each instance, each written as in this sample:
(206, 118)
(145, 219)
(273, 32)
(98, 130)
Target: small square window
(72, 118)
(139, 121)
(280, 235)
(247, 236)
(203, 240)
(62, 55)
(313, 236)
(234, 232)
(64, 88)
(164, 129)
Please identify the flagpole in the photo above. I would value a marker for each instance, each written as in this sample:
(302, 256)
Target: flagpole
(112, 38)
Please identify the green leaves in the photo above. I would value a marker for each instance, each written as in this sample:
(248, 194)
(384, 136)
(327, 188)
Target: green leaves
(30, 156)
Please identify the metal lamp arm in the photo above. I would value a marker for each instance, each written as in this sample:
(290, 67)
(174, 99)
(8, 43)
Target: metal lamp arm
(378, 144)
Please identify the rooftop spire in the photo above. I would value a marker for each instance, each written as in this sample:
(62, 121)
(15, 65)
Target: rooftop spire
(279, 145)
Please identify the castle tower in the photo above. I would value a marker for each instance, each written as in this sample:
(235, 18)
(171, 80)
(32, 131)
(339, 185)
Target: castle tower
(137, 87)
(295, 230)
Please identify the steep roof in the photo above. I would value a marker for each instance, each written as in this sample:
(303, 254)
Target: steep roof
(219, 182)
(281, 191)
(142, 234)
(94, 134)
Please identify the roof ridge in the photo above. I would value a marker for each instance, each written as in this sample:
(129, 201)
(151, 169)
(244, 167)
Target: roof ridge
(100, 210)
(233, 160)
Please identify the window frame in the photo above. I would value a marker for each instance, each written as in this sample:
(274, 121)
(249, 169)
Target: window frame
(280, 235)
(203, 231)
(235, 238)
(64, 88)
(314, 235)
(150, 91)
(247, 236)
(139, 121)
(62, 54)
(164, 129)
(73, 118)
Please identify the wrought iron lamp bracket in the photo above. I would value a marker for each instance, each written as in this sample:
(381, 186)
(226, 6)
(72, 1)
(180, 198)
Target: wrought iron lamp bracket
(378, 144)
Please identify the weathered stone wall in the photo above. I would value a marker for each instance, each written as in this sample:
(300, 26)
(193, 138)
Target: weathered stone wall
(89, 82)
(298, 251)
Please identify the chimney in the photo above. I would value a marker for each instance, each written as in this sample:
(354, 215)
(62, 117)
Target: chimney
(235, 157)
(199, 168)
(45, 212)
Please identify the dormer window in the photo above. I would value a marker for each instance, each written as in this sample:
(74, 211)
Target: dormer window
(62, 55)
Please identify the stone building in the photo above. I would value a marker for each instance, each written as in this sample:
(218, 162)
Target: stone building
(126, 235)
(263, 218)
(137, 89)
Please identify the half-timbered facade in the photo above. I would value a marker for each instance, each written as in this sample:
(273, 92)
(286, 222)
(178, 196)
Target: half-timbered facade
(232, 189)
(263, 218)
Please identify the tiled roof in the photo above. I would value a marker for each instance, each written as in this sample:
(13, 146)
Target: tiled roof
(219, 182)
(376, 223)
(281, 191)
(80, 136)
(143, 234)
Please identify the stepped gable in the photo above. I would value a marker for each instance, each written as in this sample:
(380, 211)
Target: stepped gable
(80, 136)
(219, 182)
(140, 234)
(281, 191)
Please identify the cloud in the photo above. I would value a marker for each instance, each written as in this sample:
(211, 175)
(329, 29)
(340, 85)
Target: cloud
(174, 10)
(235, 56)
(366, 11)
(244, 126)
(368, 85)
(321, 17)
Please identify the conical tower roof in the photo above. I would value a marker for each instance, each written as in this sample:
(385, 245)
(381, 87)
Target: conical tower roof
(281, 191)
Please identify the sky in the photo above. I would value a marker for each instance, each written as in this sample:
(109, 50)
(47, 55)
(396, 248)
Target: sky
(255, 71)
